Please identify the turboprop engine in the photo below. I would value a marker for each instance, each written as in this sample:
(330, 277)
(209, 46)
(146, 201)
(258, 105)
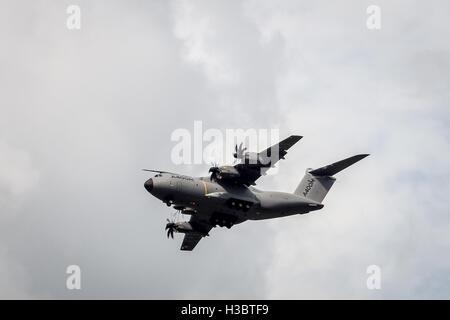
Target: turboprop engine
(181, 227)
(224, 172)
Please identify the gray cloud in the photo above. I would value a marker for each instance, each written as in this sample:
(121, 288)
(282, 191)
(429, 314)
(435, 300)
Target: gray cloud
(83, 111)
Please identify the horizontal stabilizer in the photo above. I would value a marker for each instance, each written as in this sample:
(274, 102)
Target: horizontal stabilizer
(334, 168)
(316, 183)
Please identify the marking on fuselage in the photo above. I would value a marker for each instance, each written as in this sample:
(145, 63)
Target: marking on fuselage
(206, 189)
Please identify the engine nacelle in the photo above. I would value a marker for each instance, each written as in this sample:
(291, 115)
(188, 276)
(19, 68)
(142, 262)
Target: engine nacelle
(253, 157)
(225, 172)
(183, 227)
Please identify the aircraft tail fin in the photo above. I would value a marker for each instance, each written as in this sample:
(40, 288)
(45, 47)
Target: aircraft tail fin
(316, 183)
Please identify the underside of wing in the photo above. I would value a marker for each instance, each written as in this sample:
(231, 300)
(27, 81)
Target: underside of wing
(201, 229)
(190, 241)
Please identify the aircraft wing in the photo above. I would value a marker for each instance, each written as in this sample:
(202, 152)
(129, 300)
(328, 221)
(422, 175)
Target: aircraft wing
(250, 172)
(282, 147)
(192, 238)
(190, 241)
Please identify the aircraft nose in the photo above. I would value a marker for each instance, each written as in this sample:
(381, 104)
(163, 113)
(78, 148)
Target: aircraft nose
(148, 185)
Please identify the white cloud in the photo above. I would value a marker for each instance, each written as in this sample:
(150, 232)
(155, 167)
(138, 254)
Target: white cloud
(200, 31)
(86, 111)
(362, 95)
(17, 174)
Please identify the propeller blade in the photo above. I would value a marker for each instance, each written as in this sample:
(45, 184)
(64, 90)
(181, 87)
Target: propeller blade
(170, 227)
(157, 171)
(239, 151)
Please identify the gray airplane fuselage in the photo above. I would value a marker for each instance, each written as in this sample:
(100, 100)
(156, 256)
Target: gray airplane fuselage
(225, 203)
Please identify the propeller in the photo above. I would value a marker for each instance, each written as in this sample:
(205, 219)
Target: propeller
(239, 152)
(170, 227)
(214, 171)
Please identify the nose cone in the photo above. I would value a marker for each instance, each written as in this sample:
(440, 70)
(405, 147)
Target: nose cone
(148, 185)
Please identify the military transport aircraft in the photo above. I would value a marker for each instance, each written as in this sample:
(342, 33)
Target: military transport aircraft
(228, 196)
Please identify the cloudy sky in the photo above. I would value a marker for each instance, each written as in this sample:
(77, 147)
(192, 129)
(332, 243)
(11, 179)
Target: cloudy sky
(82, 111)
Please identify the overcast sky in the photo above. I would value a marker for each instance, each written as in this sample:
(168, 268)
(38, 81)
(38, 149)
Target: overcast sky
(82, 111)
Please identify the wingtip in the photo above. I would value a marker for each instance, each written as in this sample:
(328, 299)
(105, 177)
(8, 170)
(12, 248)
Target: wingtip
(361, 156)
(295, 136)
